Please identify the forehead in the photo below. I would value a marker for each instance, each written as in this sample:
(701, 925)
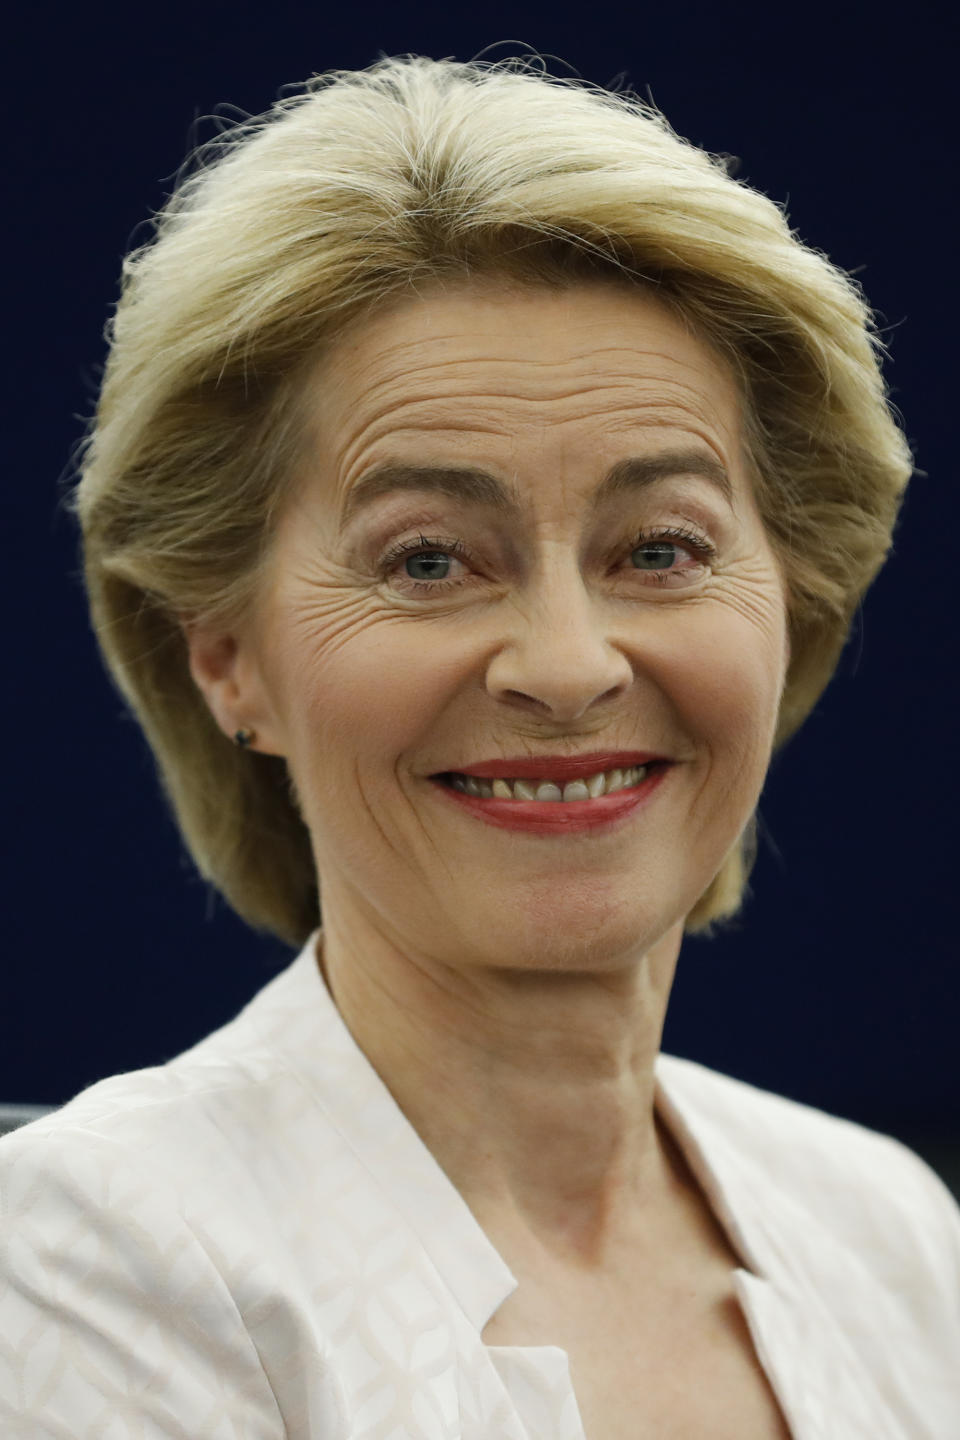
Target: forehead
(478, 362)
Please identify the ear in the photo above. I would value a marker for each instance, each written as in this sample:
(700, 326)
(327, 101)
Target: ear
(225, 670)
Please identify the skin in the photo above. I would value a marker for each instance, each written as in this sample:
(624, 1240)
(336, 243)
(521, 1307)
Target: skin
(511, 989)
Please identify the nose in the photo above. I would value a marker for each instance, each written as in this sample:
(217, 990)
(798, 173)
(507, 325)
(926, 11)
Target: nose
(557, 657)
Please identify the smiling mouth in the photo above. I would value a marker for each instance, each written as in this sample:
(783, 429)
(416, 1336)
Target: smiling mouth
(591, 787)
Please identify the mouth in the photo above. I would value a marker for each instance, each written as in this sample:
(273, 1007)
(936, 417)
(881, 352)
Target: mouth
(538, 806)
(543, 790)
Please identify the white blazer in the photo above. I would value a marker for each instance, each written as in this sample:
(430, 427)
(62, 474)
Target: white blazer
(251, 1242)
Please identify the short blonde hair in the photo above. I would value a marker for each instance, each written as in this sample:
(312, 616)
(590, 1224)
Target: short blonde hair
(345, 194)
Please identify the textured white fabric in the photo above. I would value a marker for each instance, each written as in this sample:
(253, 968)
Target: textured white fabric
(251, 1242)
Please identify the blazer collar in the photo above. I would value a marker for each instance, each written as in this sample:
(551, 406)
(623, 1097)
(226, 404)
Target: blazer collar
(300, 1020)
(808, 1358)
(295, 1015)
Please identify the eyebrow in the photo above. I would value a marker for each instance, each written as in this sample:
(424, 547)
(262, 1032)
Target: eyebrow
(478, 487)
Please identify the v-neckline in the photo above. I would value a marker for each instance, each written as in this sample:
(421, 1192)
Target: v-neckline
(811, 1361)
(391, 1149)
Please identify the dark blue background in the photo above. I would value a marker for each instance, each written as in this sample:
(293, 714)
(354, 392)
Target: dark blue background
(839, 986)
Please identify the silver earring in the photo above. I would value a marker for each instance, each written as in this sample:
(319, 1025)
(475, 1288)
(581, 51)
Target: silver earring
(244, 738)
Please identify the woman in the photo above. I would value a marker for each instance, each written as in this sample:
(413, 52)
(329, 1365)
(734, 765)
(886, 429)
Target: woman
(500, 477)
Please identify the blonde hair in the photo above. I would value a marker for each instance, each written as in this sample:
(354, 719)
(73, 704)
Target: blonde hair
(363, 184)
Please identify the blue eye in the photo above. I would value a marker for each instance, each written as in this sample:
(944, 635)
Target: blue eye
(433, 565)
(654, 555)
(677, 552)
(426, 562)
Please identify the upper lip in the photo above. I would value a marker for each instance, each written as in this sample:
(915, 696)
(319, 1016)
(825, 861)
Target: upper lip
(557, 767)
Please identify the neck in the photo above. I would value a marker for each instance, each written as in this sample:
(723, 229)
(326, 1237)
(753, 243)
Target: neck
(533, 1091)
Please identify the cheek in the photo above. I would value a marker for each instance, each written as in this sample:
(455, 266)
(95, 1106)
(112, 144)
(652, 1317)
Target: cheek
(727, 668)
(367, 696)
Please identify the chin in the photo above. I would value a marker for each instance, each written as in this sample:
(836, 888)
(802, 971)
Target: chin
(594, 927)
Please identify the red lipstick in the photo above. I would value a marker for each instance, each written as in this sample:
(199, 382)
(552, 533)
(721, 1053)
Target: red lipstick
(558, 768)
(555, 817)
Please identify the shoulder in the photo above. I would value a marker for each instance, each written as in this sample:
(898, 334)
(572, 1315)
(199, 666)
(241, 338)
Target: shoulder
(130, 1164)
(794, 1141)
(141, 1230)
(788, 1133)
(100, 1268)
(829, 1184)
(157, 1149)
(229, 1087)
(198, 1130)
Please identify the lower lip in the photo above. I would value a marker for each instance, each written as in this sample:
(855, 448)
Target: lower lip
(557, 817)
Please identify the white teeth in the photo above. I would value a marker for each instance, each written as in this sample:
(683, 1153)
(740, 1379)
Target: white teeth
(548, 791)
(576, 790)
(607, 783)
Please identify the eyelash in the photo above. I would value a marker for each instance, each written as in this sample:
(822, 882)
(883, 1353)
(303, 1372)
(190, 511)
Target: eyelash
(693, 540)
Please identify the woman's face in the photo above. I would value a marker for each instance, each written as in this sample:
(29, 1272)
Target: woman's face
(578, 568)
